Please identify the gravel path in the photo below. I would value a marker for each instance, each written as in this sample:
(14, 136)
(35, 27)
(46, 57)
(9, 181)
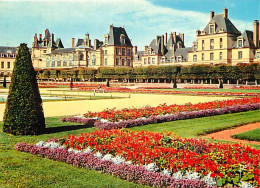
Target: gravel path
(226, 134)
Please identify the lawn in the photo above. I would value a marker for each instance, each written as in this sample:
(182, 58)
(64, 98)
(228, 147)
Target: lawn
(25, 170)
(253, 135)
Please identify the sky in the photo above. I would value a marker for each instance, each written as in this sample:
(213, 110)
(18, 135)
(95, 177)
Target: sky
(142, 19)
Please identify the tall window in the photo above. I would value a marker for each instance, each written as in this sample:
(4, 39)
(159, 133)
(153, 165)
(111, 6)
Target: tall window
(145, 60)
(240, 43)
(70, 61)
(105, 52)
(117, 51)
(105, 61)
(202, 56)
(8, 65)
(58, 61)
(149, 60)
(211, 56)
(2, 64)
(123, 51)
(93, 60)
(128, 62)
(211, 44)
(195, 47)
(212, 30)
(240, 55)
(64, 61)
(202, 45)
(153, 60)
(123, 62)
(194, 58)
(47, 62)
(220, 43)
(53, 62)
(220, 55)
(128, 52)
(122, 39)
(117, 62)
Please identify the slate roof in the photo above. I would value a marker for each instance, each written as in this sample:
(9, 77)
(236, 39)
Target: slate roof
(7, 49)
(59, 43)
(183, 52)
(64, 50)
(156, 46)
(170, 41)
(114, 37)
(248, 39)
(80, 42)
(48, 35)
(224, 23)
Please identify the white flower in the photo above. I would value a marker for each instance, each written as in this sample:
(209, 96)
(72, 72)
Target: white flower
(98, 155)
(118, 160)
(177, 175)
(51, 145)
(151, 167)
(192, 175)
(87, 150)
(104, 120)
(245, 185)
(107, 157)
(128, 162)
(209, 180)
(166, 172)
(40, 144)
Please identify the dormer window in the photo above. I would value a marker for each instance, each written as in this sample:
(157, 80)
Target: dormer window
(172, 59)
(122, 39)
(179, 58)
(2, 54)
(211, 28)
(194, 58)
(240, 43)
(106, 39)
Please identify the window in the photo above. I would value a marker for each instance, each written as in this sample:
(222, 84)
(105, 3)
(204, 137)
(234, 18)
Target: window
(128, 52)
(2, 54)
(58, 62)
(47, 62)
(122, 39)
(194, 58)
(149, 60)
(105, 61)
(81, 57)
(53, 62)
(212, 29)
(93, 60)
(123, 51)
(123, 62)
(258, 55)
(128, 63)
(220, 43)
(211, 56)
(117, 51)
(2, 64)
(105, 52)
(240, 43)
(211, 44)
(145, 60)
(179, 59)
(117, 62)
(195, 47)
(202, 45)
(8, 65)
(240, 55)
(220, 55)
(172, 59)
(64, 61)
(163, 60)
(153, 60)
(70, 61)
(45, 51)
(202, 56)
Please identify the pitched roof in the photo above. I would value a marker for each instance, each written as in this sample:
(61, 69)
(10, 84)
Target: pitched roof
(63, 50)
(222, 23)
(80, 42)
(183, 52)
(156, 46)
(59, 43)
(248, 39)
(115, 37)
(7, 49)
(171, 42)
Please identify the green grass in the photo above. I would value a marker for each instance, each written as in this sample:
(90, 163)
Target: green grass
(253, 135)
(19, 169)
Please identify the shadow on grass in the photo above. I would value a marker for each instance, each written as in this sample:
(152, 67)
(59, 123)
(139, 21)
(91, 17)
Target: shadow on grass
(50, 130)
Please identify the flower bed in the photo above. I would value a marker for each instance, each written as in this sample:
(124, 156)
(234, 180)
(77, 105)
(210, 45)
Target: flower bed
(201, 87)
(247, 87)
(114, 115)
(167, 159)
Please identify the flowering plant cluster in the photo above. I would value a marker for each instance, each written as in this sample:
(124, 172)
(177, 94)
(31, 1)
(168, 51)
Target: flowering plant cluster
(248, 87)
(56, 84)
(226, 163)
(114, 115)
(123, 170)
(201, 87)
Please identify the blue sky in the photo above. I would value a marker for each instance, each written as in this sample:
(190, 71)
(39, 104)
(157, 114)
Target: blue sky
(142, 19)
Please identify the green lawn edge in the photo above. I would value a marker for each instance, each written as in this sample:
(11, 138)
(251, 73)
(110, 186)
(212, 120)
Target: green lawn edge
(252, 135)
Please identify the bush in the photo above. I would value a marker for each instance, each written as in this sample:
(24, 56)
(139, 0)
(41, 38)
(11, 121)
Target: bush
(24, 112)
(4, 83)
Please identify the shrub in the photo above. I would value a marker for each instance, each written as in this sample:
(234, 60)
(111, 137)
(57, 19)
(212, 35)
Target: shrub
(23, 112)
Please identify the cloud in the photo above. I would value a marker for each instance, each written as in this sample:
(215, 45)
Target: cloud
(19, 21)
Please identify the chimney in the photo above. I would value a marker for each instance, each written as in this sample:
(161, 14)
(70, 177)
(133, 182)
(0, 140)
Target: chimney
(96, 42)
(162, 44)
(198, 32)
(135, 50)
(145, 48)
(73, 42)
(256, 34)
(165, 39)
(225, 12)
(110, 27)
(46, 30)
(52, 40)
(40, 37)
(182, 37)
(157, 39)
(174, 37)
(35, 40)
(211, 15)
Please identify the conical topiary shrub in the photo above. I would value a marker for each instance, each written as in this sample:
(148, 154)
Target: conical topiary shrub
(24, 112)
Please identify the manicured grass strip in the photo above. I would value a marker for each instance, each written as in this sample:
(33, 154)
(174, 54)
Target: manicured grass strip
(252, 135)
(205, 125)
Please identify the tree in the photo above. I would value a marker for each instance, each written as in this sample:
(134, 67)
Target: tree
(4, 83)
(24, 113)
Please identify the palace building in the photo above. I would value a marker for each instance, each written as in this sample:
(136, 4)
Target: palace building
(7, 58)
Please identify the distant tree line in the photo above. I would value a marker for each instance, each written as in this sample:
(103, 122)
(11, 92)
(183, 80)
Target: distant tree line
(242, 73)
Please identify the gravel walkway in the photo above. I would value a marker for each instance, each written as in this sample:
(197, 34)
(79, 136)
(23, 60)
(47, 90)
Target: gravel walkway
(226, 134)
